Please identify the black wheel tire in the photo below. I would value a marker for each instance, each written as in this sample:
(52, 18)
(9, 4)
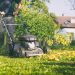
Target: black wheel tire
(11, 50)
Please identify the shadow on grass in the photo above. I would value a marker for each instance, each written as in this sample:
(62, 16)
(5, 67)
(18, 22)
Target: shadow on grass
(61, 68)
(60, 63)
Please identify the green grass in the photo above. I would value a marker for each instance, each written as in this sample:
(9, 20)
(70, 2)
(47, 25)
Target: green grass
(54, 63)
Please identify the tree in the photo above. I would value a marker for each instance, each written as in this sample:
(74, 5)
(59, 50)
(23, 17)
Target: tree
(72, 2)
(37, 21)
(45, 0)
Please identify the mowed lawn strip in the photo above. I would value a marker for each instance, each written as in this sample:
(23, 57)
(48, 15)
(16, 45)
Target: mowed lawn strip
(56, 62)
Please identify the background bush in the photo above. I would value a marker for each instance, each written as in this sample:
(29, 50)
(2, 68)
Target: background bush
(62, 41)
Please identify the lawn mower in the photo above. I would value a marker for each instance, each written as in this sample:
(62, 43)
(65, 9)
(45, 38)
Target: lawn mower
(27, 46)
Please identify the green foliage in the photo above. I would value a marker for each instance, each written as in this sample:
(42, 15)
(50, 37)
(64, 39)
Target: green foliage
(37, 21)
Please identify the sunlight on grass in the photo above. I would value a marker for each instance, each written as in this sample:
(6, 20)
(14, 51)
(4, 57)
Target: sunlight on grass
(61, 55)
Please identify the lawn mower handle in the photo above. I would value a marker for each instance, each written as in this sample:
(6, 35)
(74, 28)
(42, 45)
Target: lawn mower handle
(4, 25)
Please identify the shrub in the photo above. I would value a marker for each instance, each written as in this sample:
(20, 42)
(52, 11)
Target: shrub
(61, 41)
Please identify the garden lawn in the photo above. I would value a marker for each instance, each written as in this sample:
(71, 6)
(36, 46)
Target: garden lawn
(56, 62)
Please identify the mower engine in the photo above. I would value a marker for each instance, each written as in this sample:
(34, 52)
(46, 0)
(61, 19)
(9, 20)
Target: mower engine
(28, 46)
